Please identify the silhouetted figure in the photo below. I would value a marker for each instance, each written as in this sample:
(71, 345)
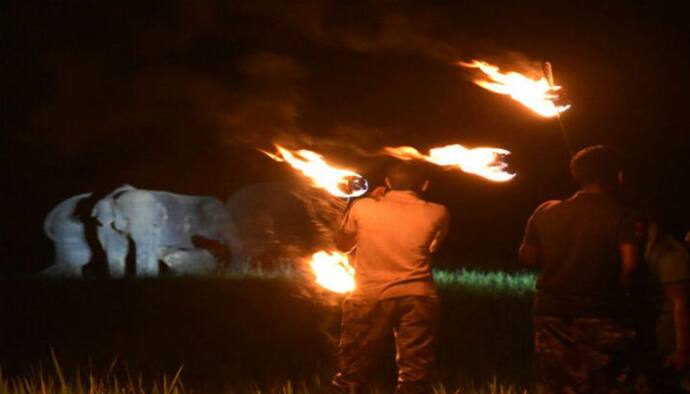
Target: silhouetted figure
(585, 249)
(665, 319)
(394, 236)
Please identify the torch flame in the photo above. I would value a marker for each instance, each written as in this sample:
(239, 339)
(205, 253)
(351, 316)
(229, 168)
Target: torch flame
(485, 162)
(333, 271)
(536, 94)
(339, 182)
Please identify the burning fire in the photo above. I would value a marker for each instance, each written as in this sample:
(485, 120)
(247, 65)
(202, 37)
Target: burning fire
(336, 181)
(536, 94)
(485, 162)
(333, 271)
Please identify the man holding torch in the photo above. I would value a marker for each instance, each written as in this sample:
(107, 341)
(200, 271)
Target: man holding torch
(393, 235)
(585, 249)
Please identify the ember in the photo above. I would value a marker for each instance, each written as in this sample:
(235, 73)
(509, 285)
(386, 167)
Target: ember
(536, 94)
(485, 162)
(333, 271)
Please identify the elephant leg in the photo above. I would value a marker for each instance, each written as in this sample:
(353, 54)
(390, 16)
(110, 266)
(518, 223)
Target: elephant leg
(116, 247)
(147, 245)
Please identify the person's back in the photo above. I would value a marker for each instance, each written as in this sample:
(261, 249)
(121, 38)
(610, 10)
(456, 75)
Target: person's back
(580, 261)
(585, 249)
(394, 238)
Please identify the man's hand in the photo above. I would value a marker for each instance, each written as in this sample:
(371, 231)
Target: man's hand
(629, 262)
(677, 294)
(529, 255)
(378, 192)
(679, 360)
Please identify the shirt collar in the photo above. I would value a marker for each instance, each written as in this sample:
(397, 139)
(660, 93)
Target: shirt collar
(402, 195)
(583, 193)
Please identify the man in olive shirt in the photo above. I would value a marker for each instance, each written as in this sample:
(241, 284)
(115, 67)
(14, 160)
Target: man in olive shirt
(585, 249)
(393, 236)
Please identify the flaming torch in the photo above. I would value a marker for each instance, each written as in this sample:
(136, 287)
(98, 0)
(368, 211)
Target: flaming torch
(338, 182)
(333, 271)
(539, 95)
(485, 162)
(548, 74)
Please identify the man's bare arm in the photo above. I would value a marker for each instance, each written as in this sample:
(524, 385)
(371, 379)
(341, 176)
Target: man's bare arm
(677, 293)
(629, 262)
(345, 242)
(529, 255)
(345, 237)
(441, 233)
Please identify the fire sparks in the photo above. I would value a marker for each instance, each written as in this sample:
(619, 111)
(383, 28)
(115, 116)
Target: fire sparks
(485, 162)
(339, 182)
(536, 94)
(333, 271)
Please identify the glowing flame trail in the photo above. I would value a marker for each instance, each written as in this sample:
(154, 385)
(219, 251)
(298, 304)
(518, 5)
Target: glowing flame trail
(336, 181)
(485, 162)
(536, 94)
(333, 271)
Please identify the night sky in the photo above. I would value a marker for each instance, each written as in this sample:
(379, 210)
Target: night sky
(176, 95)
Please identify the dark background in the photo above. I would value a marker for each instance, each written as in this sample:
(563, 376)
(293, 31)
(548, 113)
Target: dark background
(176, 95)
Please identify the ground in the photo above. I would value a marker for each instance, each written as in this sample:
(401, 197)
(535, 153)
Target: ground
(248, 328)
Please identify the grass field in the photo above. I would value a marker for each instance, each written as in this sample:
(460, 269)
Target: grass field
(250, 331)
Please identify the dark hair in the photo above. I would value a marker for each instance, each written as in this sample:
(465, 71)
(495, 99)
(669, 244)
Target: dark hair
(407, 176)
(596, 165)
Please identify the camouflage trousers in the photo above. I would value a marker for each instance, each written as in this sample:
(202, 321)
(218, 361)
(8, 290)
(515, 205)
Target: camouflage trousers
(365, 326)
(584, 355)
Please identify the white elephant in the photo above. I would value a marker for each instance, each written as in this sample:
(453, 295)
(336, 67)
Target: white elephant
(151, 226)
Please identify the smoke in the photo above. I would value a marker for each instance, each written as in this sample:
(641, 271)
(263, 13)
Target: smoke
(267, 106)
(234, 73)
(141, 94)
(366, 27)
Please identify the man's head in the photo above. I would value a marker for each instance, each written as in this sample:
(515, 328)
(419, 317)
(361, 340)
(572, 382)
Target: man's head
(596, 165)
(407, 176)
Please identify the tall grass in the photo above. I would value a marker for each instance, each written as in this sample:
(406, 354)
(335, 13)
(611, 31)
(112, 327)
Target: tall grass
(107, 383)
(497, 283)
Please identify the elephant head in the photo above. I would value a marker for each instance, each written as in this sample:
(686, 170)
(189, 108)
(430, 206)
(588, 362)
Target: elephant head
(130, 217)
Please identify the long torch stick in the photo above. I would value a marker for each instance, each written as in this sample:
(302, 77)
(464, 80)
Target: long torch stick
(547, 69)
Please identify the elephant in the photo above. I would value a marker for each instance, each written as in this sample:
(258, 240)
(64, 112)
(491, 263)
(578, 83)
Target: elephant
(275, 221)
(150, 226)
